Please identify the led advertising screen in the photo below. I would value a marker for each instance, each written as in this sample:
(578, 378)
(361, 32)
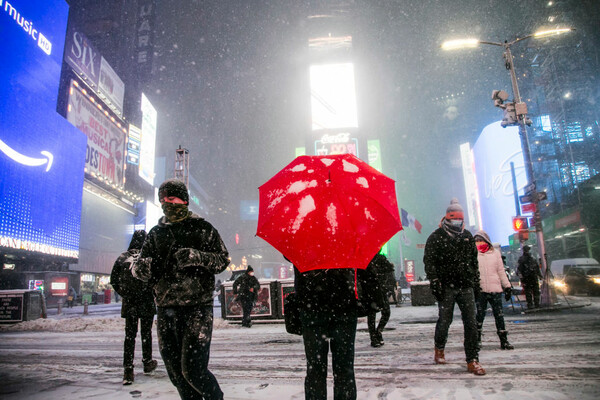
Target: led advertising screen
(333, 96)
(41, 154)
(493, 152)
(148, 146)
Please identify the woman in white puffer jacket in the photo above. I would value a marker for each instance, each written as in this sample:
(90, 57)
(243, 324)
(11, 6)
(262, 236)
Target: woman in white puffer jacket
(494, 282)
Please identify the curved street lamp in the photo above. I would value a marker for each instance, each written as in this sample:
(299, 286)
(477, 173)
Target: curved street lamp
(521, 120)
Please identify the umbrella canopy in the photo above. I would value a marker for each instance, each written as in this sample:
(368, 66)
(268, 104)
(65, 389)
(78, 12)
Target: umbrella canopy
(328, 212)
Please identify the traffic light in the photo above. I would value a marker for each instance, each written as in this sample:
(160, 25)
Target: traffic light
(520, 224)
(510, 115)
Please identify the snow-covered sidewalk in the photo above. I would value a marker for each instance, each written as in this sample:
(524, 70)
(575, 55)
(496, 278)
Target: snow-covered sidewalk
(556, 358)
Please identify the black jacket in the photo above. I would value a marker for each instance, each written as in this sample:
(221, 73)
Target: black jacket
(242, 286)
(138, 299)
(528, 269)
(185, 278)
(452, 260)
(326, 290)
(384, 270)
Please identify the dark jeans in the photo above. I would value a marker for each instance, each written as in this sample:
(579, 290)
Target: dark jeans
(131, 328)
(531, 287)
(184, 336)
(371, 319)
(495, 300)
(247, 305)
(322, 331)
(466, 303)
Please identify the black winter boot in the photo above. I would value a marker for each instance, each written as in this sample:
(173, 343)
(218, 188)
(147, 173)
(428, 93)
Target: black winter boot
(504, 344)
(128, 376)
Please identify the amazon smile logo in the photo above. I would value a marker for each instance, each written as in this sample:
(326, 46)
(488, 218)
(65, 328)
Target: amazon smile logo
(26, 160)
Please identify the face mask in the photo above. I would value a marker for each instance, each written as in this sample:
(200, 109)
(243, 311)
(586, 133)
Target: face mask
(175, 212)
(483, 247)
(456, 222)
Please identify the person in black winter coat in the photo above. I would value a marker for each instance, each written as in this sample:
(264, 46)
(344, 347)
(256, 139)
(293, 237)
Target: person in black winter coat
(246, 288)
(529, 272)
(385, 285)
(180, 259)
(328, 312)
(452, 269)
(138, 305)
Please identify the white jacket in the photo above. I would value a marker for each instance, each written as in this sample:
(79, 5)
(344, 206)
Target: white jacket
(492, 277)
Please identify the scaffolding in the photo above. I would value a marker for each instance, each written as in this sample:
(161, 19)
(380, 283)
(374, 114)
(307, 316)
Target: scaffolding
(182, 165)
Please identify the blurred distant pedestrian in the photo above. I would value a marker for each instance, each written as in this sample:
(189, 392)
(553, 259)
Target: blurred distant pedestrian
(386, 282)
(493, 282)
(328, 311)
(451, 267)
(138, 305)
(72, 297)
(180, 259)
(529, 273)
(246, 287)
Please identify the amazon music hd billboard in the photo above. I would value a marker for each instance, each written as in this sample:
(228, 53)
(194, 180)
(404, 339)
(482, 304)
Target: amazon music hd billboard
(42, 155)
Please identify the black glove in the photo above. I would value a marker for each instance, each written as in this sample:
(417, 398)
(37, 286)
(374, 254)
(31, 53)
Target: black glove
(436, 289)
(507, 293)
(188, 257)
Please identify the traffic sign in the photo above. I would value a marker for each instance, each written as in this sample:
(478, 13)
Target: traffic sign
(529, 188)
(529, 207)
(542, 196)
(525, 199)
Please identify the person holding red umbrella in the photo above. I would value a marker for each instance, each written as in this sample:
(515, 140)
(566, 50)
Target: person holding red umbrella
(329, 318)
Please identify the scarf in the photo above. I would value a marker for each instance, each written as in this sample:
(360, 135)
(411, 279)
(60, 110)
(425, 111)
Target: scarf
(175, 212)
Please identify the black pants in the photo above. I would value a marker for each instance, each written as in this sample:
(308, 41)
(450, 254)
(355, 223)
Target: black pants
(466, 302)
(184, 336)
(322, 331)
(131, 328)
(531, 287)
(247, 305)
(495, 300)
(371, 319)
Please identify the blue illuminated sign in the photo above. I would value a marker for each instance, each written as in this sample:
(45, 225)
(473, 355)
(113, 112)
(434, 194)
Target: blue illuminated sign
(42, 155)
(493, 152)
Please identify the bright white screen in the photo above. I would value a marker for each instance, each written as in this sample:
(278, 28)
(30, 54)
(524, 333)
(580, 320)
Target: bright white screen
(333, 96)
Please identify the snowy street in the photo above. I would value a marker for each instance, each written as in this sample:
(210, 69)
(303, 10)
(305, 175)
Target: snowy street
(556, 357)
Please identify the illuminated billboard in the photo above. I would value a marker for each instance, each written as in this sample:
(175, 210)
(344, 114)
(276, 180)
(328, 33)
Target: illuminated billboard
(148, 145)
(333, 96)
(106, 136)
(493, 153)
(41, 154)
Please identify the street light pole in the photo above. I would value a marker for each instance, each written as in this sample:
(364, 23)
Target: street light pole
(521, 112)
(546, 296)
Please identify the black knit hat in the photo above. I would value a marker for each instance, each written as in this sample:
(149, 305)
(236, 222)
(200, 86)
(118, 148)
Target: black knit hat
(173, 187)
(249, 269)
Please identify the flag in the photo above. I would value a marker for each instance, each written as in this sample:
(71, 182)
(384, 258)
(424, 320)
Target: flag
(410, 221)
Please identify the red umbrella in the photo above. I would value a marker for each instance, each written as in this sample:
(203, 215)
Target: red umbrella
(328, 212)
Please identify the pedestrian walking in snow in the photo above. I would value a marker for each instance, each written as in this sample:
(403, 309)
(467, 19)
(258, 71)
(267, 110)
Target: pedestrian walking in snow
(328, 314)
(529, 272)
(494, 282)
(246, 288)
(137, 308)
(386, 282)
(451, 267)
(180, 259)
(72, 297)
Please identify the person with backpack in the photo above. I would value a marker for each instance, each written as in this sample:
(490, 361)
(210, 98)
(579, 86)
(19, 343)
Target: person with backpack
(246, 288)
(529, 272)
(383, 271)
(137, 307)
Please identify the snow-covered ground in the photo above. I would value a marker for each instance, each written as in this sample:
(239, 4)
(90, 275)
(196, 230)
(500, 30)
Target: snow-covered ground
(78, 357)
